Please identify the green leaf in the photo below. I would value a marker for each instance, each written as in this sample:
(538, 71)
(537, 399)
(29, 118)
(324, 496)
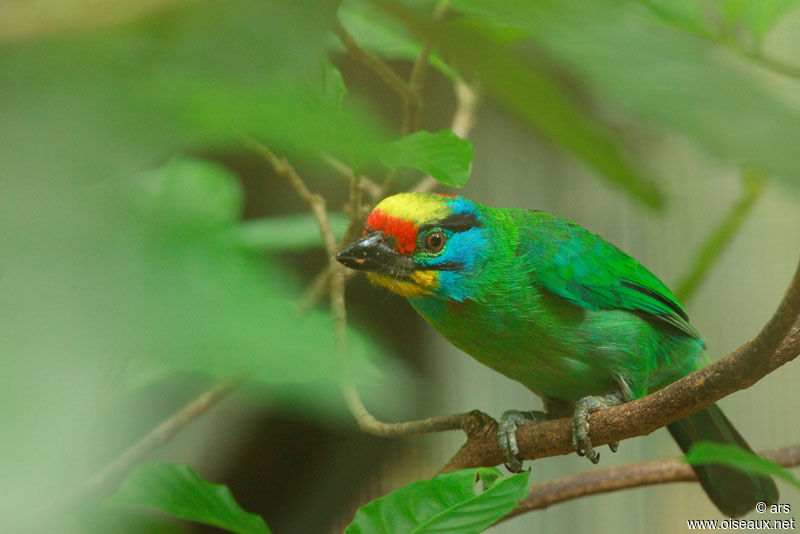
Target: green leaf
(383, 35)
(177, 490)
(287, 233)
(758, 17)
(334, 89)
(688, 15)
(723, 19)
(446, 503)
(191, 190)
(443, 155)
(734, 456)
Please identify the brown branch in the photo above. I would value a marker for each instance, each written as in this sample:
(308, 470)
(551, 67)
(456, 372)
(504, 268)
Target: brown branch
(472, 423)
(416, 80)
(621, 477)
(777, 343)
(373, 62)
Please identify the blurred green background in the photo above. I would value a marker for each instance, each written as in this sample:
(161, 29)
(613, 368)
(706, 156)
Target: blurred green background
(146, 251)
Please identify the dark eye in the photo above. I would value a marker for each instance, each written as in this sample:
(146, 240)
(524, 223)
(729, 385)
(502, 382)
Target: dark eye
(434, 242)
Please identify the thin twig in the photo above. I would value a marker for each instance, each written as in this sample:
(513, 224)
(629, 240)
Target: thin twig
(775, 65)
(166, 430)
(621, 477)
(722, 235)
(754, 53)
(315, 202)
(416, 80)
(461, 125)
(777, 343)
(316, 289)
(373, 62)
(471, 422)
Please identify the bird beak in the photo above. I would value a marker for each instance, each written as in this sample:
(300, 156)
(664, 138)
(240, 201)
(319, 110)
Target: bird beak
(371, 253)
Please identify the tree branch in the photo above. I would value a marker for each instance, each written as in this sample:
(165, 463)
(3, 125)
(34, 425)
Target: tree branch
(373, 62)
(621, 477)
(412, 106)
(777, 343)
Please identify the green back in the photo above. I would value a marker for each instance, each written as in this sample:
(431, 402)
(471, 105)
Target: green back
(577, 265)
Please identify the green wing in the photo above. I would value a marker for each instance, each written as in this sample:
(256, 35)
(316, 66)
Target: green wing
(590, 272)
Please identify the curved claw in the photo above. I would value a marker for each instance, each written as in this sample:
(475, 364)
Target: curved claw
(580, 424)
(507, 436)
(614, 446)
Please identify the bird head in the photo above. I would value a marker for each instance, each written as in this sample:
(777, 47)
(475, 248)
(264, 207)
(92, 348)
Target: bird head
(420, 245)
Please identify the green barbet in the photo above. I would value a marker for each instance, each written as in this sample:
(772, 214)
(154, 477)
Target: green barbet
(548, 304)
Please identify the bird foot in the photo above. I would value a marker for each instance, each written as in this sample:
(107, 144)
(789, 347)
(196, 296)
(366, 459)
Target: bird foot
(507, 434)
(580, 424)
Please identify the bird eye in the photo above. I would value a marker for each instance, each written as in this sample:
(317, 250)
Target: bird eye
(434, 242)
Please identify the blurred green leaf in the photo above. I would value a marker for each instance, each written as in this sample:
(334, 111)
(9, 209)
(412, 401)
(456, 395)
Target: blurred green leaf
(723, 19)
(443, 155)
(191, 191)
(757, 17)
(334, 89)
(95, 279)
(446, 503)
(178, 490)
(287, 233)
(534, 92)
(111, 101)
(688, 15)
(373, 30)
(734, 456)
(629, 57)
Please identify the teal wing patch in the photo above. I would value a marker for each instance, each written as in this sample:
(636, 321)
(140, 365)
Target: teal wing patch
(590, 272)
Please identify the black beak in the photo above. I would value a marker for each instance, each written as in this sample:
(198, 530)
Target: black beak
(373, 254)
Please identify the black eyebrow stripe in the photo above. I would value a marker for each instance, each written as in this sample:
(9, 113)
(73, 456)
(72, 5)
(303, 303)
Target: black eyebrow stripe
(460, 222)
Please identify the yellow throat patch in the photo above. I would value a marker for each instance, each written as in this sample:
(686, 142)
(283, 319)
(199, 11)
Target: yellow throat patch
(422, 283)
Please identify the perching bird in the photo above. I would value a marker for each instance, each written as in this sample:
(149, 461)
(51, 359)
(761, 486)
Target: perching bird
(548, 304)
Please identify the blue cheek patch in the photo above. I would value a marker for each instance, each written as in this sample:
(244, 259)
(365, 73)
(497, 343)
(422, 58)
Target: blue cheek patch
(465, 248)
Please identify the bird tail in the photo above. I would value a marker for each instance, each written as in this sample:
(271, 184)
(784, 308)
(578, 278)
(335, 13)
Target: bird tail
(734, 492)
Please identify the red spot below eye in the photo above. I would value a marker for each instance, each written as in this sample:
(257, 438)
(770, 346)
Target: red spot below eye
(404, 232)
(456, 306)
(445, 195)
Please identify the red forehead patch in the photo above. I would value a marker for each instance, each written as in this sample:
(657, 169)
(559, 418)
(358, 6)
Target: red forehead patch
(404, 232)
(445, 195)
